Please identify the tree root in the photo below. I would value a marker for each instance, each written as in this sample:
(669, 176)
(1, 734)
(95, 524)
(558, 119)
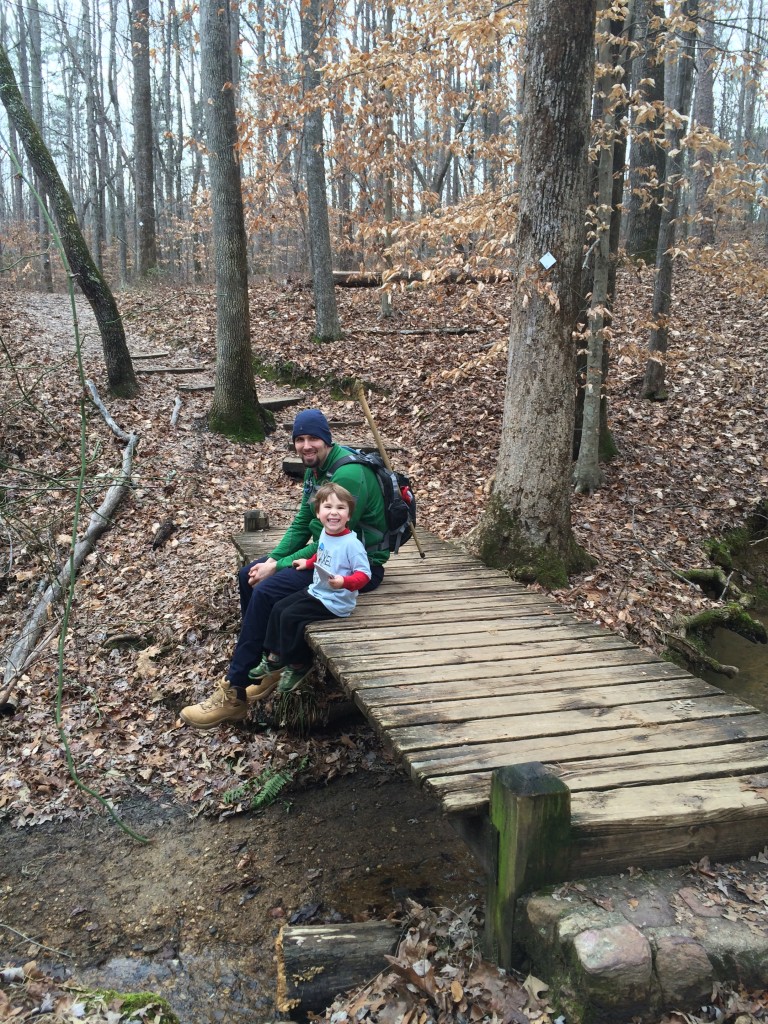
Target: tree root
(729, 616)
(714, 582)
(696, 660)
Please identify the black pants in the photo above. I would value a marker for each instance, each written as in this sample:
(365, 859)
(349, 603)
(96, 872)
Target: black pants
(287, 622)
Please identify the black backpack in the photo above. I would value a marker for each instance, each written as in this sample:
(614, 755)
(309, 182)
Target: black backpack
(399, 500)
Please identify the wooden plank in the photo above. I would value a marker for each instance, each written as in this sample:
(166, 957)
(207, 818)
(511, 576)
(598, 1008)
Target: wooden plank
(667, 824)
(622, 742)
(425, 589)
(377, 607)
(531, 703)
(349, 629)
(448, 578)
(349, 662)
(468, 793)
(389, 696)
(549, 727)
(361, 681)
(466, 640)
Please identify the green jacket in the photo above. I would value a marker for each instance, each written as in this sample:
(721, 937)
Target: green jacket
(368, 520)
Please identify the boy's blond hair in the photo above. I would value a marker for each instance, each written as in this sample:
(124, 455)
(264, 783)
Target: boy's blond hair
(341, 493)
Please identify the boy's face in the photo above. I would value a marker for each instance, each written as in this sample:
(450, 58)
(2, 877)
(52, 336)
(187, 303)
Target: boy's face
(333, 513)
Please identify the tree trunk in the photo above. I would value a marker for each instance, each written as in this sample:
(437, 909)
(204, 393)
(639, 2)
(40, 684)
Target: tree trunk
(119, 226)
(327, 326)
(704, 114)
(36, 95)
(588, 475)
(120, 376)
(143, 155)
(647, 159)
(527, 521)
(681, 91)
(235, 410)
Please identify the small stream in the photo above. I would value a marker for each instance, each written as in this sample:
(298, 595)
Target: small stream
(751, 684)
(202, 989)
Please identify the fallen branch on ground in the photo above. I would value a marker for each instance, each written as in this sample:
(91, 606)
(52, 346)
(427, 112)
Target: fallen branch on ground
(26, 642)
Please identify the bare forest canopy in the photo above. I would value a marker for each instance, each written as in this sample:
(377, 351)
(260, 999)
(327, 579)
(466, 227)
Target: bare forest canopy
(420, 110)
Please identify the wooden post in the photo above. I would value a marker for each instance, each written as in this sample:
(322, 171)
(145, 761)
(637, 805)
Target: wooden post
(256, 519)
(530, 814)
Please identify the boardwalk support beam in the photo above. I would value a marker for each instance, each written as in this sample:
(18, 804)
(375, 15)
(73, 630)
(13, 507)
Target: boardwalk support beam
(530, 816)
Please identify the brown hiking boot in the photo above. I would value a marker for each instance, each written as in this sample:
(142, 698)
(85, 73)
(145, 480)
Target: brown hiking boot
(222, 706)
(265, 678)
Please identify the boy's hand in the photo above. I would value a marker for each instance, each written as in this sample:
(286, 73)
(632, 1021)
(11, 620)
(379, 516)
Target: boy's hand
(299, 563)
(336, 582)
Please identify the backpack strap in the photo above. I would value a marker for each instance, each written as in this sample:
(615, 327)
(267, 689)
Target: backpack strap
(355, 458)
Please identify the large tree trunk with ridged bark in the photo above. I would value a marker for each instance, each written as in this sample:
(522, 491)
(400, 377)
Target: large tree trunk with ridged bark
(235, 410)
(527, 523)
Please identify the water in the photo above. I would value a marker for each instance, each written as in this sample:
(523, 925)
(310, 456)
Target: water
(751, 684)
(202, 988)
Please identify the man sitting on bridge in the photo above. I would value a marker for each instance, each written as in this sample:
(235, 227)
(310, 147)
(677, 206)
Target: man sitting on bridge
(266, 581)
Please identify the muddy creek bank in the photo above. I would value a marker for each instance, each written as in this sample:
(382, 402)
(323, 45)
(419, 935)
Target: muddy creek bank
(194, 913)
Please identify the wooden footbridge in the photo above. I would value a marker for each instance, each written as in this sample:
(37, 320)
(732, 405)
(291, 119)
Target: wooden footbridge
(558, 748)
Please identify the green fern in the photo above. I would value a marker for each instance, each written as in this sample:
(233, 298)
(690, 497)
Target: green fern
(265, 788)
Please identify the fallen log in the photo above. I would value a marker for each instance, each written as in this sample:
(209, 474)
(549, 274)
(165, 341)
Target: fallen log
(418, 331)
(317, 962)
(359, 279)
(26, 642)
(171, 369)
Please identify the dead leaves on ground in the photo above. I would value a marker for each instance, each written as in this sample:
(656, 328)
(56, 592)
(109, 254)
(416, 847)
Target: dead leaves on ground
(688, 469)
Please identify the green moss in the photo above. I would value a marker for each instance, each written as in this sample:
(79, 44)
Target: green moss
(285, 371)
(607, 450)
(291, 374)
(132, 1003)
(722, 550)
(249, 425)
(501, 542)
(731, 616)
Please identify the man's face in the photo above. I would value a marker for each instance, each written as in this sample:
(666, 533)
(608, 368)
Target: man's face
(311, 450)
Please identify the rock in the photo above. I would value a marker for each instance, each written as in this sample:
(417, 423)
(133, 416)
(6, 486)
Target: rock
(684, 971)
(615, 967)
(650, 909)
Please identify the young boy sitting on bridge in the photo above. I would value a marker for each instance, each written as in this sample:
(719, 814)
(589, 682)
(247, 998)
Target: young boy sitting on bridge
(341, 568)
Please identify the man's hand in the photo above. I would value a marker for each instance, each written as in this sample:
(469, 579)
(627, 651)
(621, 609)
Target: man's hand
(261, 571)
(336, 582)
(299, 563)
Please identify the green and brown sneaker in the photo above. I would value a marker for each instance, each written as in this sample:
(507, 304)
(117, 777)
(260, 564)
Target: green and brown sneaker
(222, 706)
(292, 678)
(265, 678)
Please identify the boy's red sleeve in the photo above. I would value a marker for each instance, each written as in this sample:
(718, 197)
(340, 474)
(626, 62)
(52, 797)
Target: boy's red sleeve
(356, 581)
(311, 561)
